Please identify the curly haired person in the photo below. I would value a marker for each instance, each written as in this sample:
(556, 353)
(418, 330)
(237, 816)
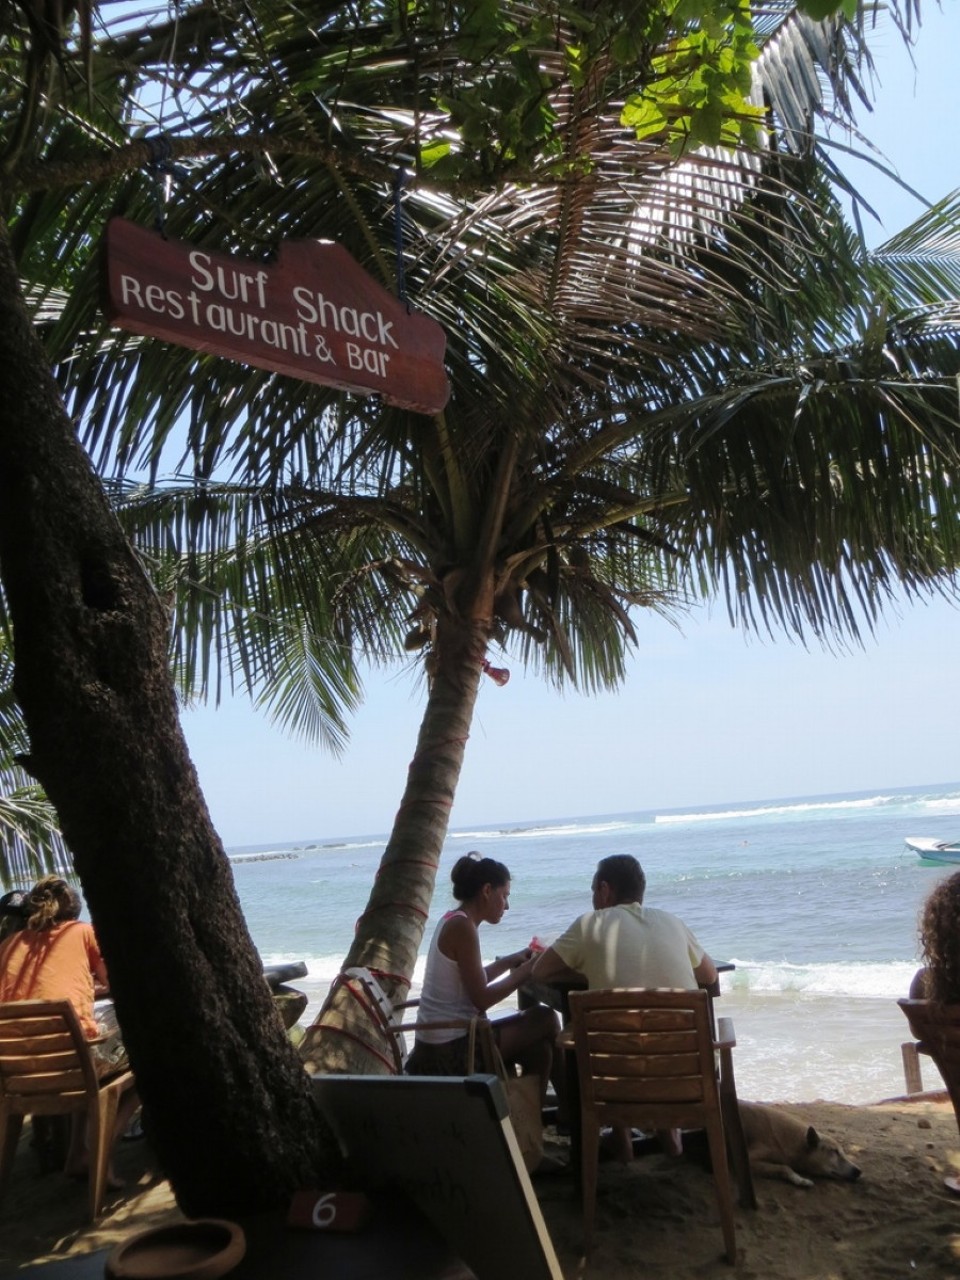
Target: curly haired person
(939, 979)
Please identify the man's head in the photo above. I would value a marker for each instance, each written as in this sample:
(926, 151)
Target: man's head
(617, 879)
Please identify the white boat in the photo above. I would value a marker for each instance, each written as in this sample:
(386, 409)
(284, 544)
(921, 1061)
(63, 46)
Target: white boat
(934, 850)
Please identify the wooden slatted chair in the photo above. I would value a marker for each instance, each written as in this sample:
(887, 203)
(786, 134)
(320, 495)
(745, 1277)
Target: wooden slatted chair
(46, 1069)
(645, 1058)
(936, 1029)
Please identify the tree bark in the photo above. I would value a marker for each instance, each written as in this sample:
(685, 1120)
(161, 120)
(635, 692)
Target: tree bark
(390, 931)
(228, 1104)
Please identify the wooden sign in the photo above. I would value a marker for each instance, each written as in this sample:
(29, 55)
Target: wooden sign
(317, 1210)
(446, 1143)
(313, 314)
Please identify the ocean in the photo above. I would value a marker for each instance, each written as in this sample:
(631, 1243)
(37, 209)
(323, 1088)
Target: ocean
(814, 899)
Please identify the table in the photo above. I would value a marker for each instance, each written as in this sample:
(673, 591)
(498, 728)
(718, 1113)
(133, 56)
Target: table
(555, 994)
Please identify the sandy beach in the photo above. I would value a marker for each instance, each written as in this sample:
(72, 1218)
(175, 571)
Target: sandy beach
(656, 1217)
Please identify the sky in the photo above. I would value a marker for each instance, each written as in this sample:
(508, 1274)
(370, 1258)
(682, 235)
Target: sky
(707, 715)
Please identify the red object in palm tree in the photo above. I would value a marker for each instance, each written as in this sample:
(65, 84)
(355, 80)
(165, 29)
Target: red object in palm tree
(499, 675)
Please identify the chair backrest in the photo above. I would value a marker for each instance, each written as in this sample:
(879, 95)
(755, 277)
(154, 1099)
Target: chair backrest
(646, 1051)
(383, 1033)
(379, 1031)
(937, 1029)
(388, 1017)
(45, 1062)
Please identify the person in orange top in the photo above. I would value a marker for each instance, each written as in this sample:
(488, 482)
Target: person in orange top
(55, 956)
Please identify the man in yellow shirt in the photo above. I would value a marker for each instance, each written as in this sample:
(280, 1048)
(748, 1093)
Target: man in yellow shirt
(622, 943)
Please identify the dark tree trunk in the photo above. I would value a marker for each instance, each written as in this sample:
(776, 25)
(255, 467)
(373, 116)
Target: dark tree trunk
(228, 1102)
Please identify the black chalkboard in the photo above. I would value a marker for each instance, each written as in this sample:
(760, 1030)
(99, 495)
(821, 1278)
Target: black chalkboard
(447, 1143)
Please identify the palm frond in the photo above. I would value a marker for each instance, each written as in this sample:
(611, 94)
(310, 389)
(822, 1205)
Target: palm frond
(672, 374)
(924, 261)
(31, 844)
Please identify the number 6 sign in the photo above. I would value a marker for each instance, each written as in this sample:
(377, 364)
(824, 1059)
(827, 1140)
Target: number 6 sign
(319, 1210)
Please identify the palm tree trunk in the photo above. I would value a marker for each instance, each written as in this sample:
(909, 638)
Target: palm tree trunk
(391, 928)
(228, 1105)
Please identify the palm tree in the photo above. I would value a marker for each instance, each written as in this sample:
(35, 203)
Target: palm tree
(760, 465)
(235, 1123)
(656, 389)
(30, 841)
(648, 405)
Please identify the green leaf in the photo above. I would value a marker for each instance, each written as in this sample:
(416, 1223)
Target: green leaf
(820, 9)
(434, 152)
(644, 116)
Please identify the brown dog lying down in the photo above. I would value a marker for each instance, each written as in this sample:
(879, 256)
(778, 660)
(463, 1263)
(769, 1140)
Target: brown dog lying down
(781, 1146)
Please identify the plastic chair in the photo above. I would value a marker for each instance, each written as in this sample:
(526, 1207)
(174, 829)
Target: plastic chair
(46, 1069)
(645, 1058)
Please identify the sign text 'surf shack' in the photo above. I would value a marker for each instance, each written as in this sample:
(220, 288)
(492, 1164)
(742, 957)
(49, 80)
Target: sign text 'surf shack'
(313, 314)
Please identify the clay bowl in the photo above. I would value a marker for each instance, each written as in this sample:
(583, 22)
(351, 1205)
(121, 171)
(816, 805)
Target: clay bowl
(201, 1249)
